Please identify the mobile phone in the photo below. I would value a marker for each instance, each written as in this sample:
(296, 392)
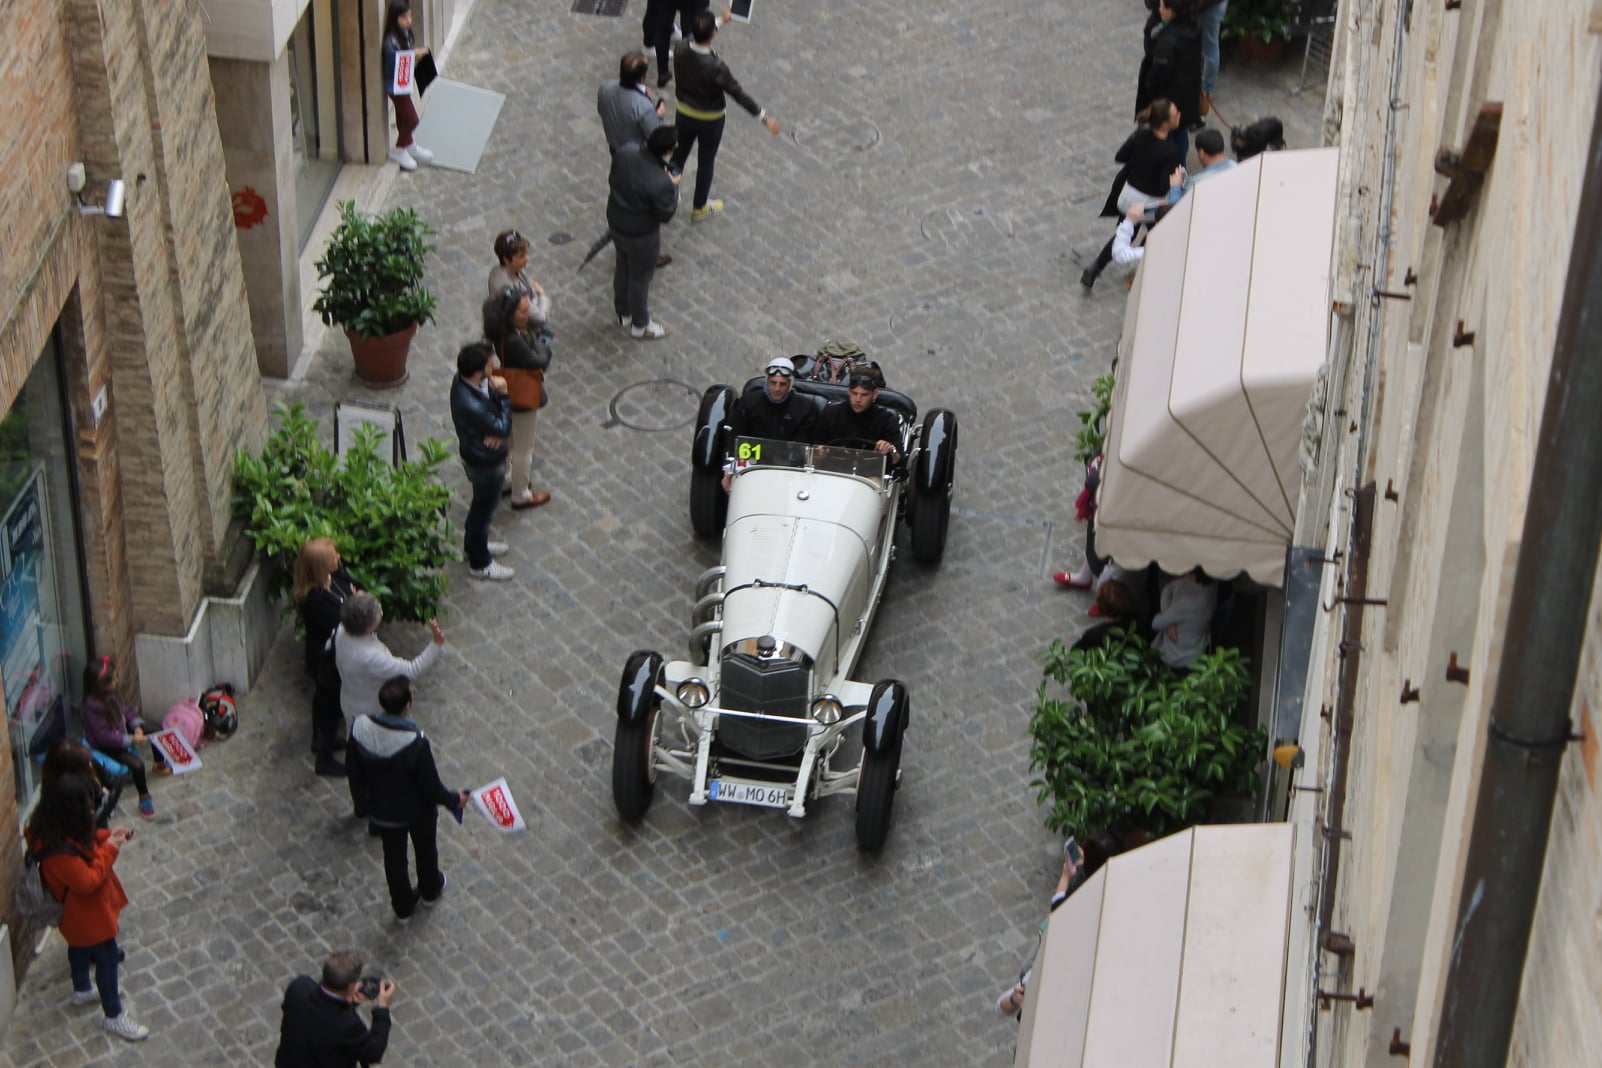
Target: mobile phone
(740, 10)
(1071, 851)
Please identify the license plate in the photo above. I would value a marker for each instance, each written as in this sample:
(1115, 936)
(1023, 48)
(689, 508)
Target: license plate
(749, 793)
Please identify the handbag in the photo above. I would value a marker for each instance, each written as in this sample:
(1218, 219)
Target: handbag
(525, 388)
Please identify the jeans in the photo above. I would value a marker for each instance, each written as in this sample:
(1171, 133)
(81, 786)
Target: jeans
(631, 278)
(104, 958)
(486, 483)
(406, 120)
(397, 872)
(656, 28)
(1210, 21)
(710, 136)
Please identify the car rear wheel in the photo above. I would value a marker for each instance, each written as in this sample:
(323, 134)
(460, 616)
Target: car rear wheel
(934, 472)
(633, 770)
(709, 505)
(876, 795)
(931, 515)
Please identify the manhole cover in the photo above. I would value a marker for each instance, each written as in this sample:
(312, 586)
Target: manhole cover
(653, 406)
(962, 229)
(610, 8)
(835, 137)
(936, 326)
(561, 237)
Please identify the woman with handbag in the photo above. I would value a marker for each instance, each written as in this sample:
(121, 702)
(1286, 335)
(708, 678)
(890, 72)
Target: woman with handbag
(321, 586)
(524, 355)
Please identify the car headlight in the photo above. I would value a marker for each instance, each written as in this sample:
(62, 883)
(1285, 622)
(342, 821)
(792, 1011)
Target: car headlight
(693, 693)
(826, 709)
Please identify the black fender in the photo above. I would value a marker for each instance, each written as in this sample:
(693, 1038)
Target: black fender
(636, 694)
(887, 716)
(706, 453)
(937, 452)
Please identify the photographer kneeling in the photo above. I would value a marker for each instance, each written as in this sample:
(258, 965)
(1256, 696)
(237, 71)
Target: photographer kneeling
(321, 1025)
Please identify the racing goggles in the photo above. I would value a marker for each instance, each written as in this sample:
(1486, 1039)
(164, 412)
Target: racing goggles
(862, 380)
(787, 372)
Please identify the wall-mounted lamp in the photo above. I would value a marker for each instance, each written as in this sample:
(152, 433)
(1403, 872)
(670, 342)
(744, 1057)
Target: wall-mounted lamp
(116, 194)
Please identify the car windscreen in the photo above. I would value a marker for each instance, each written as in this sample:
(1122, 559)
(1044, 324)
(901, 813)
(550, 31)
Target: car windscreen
(830, 459)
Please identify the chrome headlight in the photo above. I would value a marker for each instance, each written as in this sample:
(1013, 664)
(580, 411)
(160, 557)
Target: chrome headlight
(826, 709)
(692, 693)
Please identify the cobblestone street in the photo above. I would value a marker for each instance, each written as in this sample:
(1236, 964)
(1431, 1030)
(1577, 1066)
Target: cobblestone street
(940, 167)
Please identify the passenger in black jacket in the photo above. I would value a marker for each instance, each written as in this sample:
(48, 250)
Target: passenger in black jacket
(1149, 156)
(775, 411)
(644, 196)
(321, 1028)
(482, 414)
(391, 761)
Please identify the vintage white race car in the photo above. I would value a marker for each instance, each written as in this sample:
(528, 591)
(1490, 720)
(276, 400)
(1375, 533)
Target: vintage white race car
(757, 712)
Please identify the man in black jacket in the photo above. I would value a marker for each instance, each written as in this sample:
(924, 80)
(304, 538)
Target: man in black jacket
(643, 199)
(860, 421)
(481, 411)
(321, 1028)
(775, 411)
(705, 84)
(1175, 70)
(391, 761)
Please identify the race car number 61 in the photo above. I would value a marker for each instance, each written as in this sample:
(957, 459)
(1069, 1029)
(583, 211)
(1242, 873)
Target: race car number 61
(748, 451)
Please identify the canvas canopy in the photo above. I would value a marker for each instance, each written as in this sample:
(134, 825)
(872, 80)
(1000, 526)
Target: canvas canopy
(1225, 331)
(1171, 956)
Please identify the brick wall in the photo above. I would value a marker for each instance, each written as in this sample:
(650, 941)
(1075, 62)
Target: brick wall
(152, 307)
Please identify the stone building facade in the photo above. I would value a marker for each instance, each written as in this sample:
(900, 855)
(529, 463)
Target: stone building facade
(127, 367)
(1449, 301)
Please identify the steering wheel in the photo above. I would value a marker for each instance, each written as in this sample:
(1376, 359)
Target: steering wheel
(865, 444)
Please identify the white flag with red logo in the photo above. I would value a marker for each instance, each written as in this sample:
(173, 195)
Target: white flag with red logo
(180, 757)
(495, 802)
(405, 71)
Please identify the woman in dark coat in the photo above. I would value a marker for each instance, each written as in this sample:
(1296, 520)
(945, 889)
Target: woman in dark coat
(321, 586)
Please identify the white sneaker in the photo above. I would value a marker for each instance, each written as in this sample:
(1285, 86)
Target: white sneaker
(625, 321)
(404, 158)
(85, 997)
(499, 548)
(649, 332)
(493, 573)
(124, 1027)
(419, 153)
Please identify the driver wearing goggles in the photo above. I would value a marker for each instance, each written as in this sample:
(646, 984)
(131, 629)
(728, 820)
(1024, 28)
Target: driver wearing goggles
(774, 412)
(860, 420)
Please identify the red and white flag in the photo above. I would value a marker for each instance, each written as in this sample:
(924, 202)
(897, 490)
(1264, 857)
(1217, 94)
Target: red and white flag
(495, 802)
(180, 757)
(405, 72)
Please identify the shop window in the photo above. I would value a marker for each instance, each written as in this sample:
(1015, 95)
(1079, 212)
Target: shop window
(313, 115)
(43, 639)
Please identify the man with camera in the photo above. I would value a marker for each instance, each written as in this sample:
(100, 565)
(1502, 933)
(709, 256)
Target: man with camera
(322, 1028)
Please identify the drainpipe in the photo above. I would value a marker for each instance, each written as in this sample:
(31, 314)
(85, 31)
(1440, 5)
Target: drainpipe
(1529, 722)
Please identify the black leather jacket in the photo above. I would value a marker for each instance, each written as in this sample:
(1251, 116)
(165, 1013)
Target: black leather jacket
(477, 417)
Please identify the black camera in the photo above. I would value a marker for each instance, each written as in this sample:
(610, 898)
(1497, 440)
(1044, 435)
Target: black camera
(371, 984)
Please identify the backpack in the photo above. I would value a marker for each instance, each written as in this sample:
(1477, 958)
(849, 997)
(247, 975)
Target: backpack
(217, 706)
(34, 901)
(186, 718)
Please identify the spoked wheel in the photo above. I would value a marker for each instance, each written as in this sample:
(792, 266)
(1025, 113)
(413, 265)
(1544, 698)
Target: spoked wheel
(633, 770)
(876, 794)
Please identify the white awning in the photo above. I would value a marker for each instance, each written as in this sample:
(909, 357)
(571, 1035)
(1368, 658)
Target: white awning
(1226, 328)
(1171, 956)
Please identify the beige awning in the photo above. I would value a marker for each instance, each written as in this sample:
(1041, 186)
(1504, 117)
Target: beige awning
(1226, 328)
(1171, 956)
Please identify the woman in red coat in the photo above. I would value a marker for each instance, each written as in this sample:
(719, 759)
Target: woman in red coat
(76, 864)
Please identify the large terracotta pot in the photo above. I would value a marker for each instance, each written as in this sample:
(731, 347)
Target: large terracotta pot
(1261, 53)
(381, 361)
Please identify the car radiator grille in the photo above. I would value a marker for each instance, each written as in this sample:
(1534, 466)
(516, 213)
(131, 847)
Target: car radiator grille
(777, 687)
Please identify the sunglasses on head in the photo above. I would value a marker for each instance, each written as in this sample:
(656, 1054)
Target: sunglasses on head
(862, 381)
(784, 371)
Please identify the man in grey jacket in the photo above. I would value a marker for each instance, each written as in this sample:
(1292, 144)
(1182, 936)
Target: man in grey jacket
(644, 196)
(627, 111)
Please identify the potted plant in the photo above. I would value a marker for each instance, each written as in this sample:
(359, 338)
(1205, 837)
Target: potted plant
(1091, 438)
(1137, 749)
(388, 522)
(1261, 30)
(373, 267)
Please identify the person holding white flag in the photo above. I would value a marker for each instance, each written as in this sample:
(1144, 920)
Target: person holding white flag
(399, 63)
(391, 762)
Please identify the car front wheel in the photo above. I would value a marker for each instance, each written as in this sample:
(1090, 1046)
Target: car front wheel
(876, 794)
(633, 771)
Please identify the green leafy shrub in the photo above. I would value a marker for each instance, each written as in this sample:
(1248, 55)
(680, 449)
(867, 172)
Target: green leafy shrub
(1092, 436)
(374, 270)
(1136, 745)
(388, 522)
(1262, 20)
